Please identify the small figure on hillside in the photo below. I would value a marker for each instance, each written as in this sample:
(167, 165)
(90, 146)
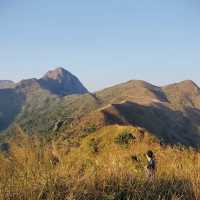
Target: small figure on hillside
(151, 165)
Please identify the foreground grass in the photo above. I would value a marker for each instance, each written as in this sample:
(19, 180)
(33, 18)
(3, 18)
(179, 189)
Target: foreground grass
(98, 169)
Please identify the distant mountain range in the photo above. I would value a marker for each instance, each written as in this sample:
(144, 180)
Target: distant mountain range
(59, 81)
(15, 98)
(172, 112)
(6, 84)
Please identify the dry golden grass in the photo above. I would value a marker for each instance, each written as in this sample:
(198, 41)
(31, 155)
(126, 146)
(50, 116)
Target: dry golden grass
(104, 174)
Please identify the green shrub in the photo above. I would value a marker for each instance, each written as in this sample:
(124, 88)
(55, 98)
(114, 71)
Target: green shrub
(124, 138)
(108, 197)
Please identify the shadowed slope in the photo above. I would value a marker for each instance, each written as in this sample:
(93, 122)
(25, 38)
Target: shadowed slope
(42, 103)
(62, 82)
(171, 112)
(11, 103)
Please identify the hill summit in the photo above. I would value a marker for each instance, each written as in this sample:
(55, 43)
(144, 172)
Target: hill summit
(62, 82)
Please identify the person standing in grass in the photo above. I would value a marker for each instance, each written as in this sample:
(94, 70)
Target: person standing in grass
(151, 165)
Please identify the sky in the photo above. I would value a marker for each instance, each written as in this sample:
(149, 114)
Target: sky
(103, 42)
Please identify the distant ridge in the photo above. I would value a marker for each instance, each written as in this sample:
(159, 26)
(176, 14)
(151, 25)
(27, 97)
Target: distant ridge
(6, 84)
(33, 93)
(171, 113)
(58, 81)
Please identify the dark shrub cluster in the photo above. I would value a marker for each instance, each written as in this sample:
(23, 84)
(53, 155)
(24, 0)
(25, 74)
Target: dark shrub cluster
(90, 128)
(124, 138)
(93, 145)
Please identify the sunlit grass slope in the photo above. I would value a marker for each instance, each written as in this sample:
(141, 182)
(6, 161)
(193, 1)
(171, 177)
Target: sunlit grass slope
(107, 164)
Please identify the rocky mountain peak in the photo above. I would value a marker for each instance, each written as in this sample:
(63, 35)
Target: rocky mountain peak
(61, 82)
(58, 73)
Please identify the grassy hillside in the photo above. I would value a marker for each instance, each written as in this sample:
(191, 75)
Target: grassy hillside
(107, 164)
(10, 105)
(172, 113)
(43, 110)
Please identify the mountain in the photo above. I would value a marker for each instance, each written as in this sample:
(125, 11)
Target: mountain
(171, 113)
(59, 102)
(29, 96)
(62, 82)
(103, 146)
(183, 94)
(6, 84)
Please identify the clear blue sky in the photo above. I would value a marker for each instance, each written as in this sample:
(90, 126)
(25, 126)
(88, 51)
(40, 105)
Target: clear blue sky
(103, 42)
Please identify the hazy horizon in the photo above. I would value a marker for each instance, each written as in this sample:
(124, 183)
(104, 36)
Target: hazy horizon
(103, 42)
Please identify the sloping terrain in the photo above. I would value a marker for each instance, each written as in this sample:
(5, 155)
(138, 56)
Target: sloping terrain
(10, 105)
(30, 100)
(97, 150)
(172, 113)
(108, 164)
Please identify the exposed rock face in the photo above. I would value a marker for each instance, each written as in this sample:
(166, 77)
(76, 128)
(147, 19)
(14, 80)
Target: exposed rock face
(62, 82)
